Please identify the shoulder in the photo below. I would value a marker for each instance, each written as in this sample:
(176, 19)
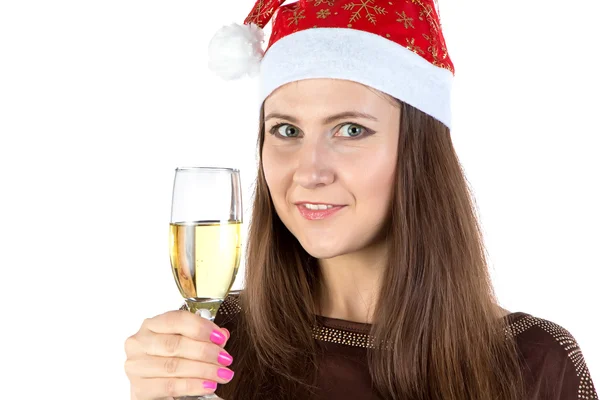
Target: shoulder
(555, 367)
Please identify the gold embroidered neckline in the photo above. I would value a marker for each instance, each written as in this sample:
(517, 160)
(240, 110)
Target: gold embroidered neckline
(361, 327)
(347, 332)
(356, 334)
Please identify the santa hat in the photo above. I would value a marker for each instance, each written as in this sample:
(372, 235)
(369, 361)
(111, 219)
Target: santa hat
(395, 46)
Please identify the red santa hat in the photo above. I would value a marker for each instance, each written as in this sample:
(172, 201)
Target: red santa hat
(395, 46)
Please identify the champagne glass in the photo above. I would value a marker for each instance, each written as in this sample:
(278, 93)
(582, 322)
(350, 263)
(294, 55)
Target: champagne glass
(205, 238)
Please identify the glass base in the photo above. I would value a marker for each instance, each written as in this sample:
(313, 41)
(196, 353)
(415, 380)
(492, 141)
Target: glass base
(206, 308)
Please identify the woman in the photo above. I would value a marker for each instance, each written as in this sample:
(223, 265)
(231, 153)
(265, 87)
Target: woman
(366, 273)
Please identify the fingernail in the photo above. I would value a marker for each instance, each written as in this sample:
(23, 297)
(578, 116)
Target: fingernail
(227, 331)
(217, 337)
(224, 373)
(210, 385)
(225, 359)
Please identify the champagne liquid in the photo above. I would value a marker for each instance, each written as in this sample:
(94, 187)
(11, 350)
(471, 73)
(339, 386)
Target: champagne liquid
(205, 257)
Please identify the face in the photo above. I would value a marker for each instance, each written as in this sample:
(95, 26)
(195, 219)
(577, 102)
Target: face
(331, 143)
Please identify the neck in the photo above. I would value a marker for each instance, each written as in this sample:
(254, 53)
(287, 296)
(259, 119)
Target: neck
(350, 285)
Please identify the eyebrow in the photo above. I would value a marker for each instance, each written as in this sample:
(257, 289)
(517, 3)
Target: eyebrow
(327, 120)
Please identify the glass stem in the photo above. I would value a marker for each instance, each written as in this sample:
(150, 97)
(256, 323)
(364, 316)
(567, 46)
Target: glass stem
(206, 308)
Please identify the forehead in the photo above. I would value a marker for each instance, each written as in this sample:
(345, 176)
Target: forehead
(327, 95)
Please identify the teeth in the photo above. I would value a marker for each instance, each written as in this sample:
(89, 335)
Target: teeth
(317, 206)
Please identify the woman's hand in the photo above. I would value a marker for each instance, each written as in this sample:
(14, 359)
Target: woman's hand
(176, 354)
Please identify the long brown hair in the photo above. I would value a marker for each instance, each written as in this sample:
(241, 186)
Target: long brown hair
(436, 307)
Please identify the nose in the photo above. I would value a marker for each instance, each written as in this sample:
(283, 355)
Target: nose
(313, 167)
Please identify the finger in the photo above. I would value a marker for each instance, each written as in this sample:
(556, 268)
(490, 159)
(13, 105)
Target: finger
(187, 324)
(172, 387)
(173, 367)
(227, 332)
(134, 346)
(183, 347)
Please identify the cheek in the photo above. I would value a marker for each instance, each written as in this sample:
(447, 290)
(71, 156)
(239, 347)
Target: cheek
(274, 168)
(377, 193)
(374, 173)
(372, 182)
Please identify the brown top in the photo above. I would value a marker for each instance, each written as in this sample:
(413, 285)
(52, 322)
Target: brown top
(556, 368)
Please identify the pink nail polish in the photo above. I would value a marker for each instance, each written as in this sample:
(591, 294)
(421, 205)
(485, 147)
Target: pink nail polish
(210, 385)
(217, 337)
(226, 374)
(225, 359)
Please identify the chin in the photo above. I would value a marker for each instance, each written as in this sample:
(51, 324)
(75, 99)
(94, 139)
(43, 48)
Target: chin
(322, 254)
(322, 250)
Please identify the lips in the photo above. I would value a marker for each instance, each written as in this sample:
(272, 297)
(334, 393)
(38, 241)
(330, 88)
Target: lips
(298, 203)
(317, 214)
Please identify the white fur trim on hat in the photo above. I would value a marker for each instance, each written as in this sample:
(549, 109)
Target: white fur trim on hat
(360, 56)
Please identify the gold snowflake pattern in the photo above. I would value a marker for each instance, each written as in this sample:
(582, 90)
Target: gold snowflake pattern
(319, 2)
(260, 12)
(426, 14)
(297, 15)
(410, 44)
(324, 13)
(436, 41)
(433, 49)
(368, 7)
(406, 20)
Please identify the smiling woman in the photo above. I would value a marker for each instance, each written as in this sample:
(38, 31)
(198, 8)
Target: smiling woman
(353, 288)
(337, 147)
(366, 271)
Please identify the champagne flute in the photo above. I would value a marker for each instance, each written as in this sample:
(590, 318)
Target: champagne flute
(205, 238)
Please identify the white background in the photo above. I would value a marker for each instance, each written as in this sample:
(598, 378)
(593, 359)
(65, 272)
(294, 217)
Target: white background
(101, 100)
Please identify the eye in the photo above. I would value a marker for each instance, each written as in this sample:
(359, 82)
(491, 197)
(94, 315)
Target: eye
(352, 130)
(285, 130)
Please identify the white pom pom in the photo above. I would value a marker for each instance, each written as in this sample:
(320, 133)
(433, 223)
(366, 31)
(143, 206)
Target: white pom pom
(236, 50)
